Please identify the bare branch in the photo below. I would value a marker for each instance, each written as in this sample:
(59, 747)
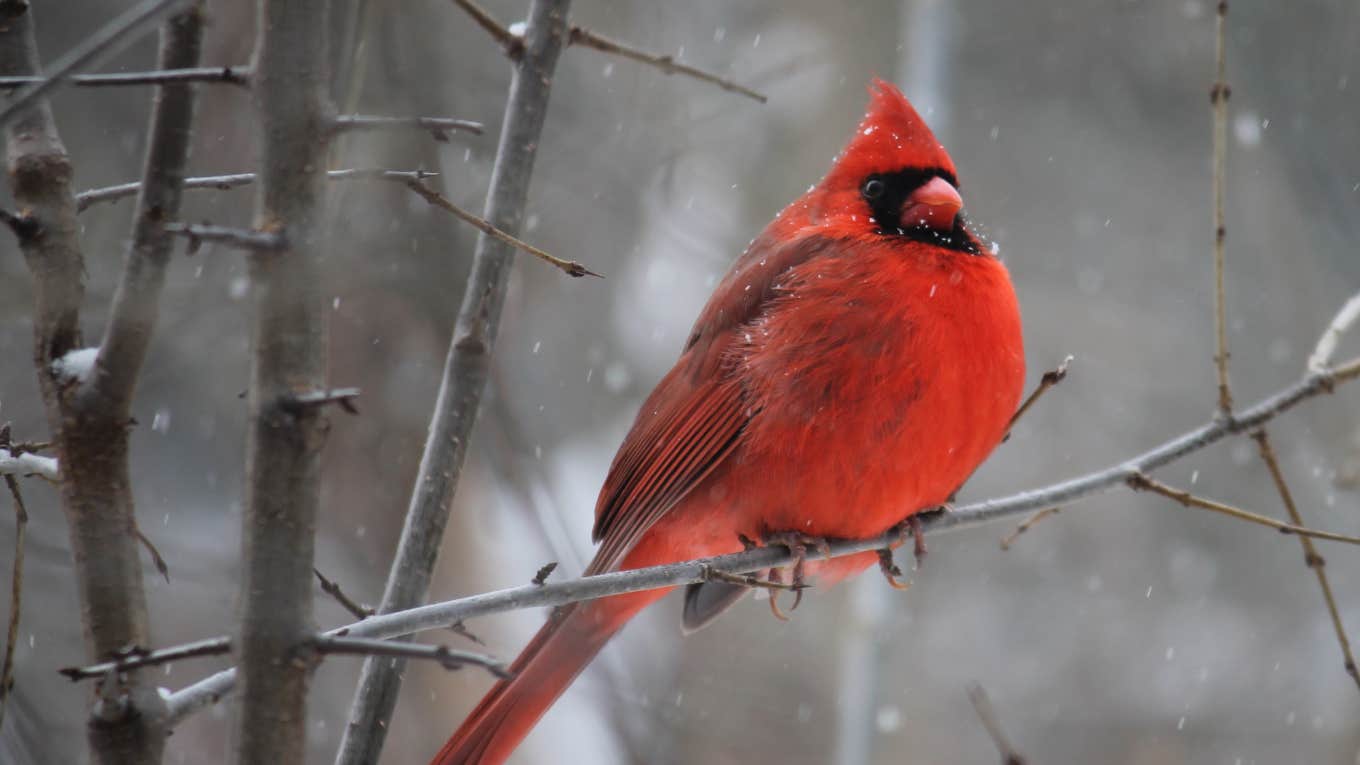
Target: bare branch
(568, 267)
(441, 615)
(127, 720)
(1025, 525)
(465, 368)
(136, 302)
(666, 63)
(1218, 99)
(245, 239)
(16, 584)
(224, 182)
(450, 658)
(135, 658)
(1141, 482)
(438, 127)
(107, 41)
(229, 75)
(983, 706)
(512, 44)
(331, 588)
(1311, 556)
(288, 340)
(1050, 378)
(1326, 344)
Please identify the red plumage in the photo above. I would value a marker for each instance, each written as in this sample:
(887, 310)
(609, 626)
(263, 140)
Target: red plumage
(858, 362)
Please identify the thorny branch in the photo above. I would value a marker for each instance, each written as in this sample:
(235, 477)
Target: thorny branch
(440, 615)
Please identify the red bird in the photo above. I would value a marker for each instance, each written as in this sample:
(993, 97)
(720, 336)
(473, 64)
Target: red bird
(859, 361)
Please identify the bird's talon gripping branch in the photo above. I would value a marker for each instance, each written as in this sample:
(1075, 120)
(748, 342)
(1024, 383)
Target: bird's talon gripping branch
(890, 570)
(798, 544)
(919, 539)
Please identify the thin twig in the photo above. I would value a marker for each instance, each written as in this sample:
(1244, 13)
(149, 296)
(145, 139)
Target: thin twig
(449, 658)
(983, 705)
(228, 75)
(466, 365)
(441, 615)
(332, 589)
(107, 41)
(16, 584)
(241, 238)
(1051, 377)
(512, 44)
(224, 182)
(1025, 525)
(155, 554)
(1326, 344)
(569, 267)
(666, 63)
(135, 658)
(1142, 482)
(1311, 556)
(1218, 99)
(438, 127)
(24, 226)
(541, 577)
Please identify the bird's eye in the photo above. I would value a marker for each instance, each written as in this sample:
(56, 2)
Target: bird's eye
(873, 188)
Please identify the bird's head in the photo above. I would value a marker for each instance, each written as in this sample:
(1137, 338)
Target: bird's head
(892, 179)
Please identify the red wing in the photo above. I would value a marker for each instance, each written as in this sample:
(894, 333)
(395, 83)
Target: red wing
(686, 429)
(697, 413)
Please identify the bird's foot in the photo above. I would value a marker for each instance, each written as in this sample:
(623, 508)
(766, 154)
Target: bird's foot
(798, 544)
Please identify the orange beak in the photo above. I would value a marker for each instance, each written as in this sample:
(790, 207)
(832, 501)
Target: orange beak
(935, 206)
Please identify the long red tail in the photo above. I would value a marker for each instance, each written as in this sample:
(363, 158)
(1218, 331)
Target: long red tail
(557, 654)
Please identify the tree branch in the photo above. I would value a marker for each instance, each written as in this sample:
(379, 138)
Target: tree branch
(465, 369)
(1218, 99)
(449, 658)
(441, 615)
(240, 238)
(14, 463)
(229, 75)
(666, 63)
(1326, 344)
(437, 127)
(224, 182)
(987, 715)
(1311, 556)
(1141, 482)
(512, 44)
(288, 339)
(568, 267)
(136, 302)
(107, 41)
(135, 658)
(127, 721)
(16, 583)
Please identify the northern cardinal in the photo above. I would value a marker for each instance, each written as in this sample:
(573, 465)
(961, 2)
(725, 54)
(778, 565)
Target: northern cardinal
(859, 361)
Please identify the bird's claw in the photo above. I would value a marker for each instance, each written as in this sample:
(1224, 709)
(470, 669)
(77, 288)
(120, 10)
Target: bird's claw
(890, 570)
(798, 544)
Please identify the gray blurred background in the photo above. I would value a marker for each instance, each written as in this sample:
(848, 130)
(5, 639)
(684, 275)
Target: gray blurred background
(1125, 631)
